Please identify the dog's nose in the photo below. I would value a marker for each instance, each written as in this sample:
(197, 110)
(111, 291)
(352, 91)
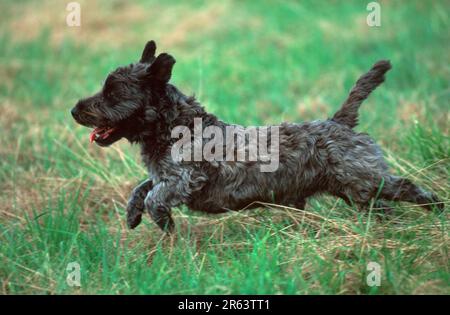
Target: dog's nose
(73, 112)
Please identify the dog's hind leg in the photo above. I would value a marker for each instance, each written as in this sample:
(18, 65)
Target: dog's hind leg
(382, 205)
(300, 204)
(402, 189)
(135, 206)
(343, 197)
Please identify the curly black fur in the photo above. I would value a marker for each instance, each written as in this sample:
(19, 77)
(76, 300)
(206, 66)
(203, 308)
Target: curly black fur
(138, 103)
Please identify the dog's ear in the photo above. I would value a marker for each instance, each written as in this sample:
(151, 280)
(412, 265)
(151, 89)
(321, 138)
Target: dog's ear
(161, 68)
(148, 55)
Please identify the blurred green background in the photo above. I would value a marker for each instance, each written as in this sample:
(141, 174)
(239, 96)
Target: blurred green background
(248, 62)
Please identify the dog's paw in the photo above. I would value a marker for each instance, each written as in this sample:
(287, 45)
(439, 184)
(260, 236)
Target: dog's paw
(166, 224)
(135, 208)
(436, 204)
(133, 219)
(163, 218)
(134, 215)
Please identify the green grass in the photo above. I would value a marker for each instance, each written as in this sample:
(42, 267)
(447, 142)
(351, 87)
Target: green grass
(249, 62)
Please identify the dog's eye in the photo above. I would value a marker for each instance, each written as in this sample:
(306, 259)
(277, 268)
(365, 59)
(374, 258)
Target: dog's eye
(110, 94)
(108, 88)
(108, 91)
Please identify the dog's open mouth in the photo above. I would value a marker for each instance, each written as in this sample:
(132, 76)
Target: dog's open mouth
(101, 133)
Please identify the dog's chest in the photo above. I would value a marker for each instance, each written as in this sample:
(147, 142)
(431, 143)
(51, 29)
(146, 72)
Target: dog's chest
(156, 170)
(156, 162)
(163, 169)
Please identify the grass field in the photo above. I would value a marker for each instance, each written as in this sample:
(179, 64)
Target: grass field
(250, 62)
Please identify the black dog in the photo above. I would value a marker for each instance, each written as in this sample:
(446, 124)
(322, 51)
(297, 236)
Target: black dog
(137, 103)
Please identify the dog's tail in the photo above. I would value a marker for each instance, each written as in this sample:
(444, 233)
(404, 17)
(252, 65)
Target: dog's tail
(348, 114)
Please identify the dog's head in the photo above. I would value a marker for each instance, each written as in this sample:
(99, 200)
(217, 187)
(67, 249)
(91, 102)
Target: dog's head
(129, 101)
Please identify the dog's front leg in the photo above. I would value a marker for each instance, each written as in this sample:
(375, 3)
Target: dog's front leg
(159, 202)
(135, 206)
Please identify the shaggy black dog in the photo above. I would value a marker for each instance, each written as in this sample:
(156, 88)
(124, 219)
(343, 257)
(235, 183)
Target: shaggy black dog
(137, 103)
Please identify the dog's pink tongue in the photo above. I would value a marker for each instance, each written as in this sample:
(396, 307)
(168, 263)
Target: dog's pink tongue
(93, 134)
